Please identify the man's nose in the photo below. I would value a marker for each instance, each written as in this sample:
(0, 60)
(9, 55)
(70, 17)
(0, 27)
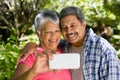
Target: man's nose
(69, 30)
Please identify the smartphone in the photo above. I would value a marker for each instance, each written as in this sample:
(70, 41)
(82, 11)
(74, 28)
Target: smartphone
(65, 61)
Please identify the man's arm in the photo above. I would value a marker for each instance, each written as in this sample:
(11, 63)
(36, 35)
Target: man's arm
(28, 48)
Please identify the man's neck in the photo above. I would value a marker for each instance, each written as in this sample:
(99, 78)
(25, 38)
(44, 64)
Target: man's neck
(77, 44)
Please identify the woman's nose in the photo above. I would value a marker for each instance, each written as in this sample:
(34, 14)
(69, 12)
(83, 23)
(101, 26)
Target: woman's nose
(53, 35)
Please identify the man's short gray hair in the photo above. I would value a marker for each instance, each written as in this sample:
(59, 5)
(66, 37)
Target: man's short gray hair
(72, 10)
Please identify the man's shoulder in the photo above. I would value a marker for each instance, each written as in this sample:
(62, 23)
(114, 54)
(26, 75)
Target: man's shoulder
(97, 41)
(91, 37)
(62, 43)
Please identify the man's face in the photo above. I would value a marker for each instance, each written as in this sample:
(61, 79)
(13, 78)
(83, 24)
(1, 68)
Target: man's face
(73, 30)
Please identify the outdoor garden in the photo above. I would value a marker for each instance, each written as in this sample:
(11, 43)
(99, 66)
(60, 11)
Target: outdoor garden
(17, 28)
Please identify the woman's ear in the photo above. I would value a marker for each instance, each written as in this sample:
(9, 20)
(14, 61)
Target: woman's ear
(38, 32)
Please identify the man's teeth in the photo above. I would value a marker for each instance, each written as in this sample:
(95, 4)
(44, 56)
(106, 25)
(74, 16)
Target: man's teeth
(71, 35)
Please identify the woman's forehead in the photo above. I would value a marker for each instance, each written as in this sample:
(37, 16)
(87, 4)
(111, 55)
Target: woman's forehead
(49, 25)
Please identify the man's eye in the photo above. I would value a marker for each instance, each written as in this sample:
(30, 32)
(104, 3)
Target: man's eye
(73, 25)
(64, 28)
(57, 30)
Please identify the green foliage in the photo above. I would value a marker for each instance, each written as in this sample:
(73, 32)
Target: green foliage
(118, 53)
(9, 54)
(8, 57)
(16, 16)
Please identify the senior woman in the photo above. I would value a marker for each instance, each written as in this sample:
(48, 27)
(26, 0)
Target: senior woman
(35, 65)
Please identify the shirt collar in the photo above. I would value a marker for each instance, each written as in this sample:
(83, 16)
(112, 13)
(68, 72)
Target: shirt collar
(89, 35)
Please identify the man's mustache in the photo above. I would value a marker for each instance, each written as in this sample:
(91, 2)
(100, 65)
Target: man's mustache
(72, 34)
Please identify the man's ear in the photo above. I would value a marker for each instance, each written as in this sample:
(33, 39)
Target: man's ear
(84, 24)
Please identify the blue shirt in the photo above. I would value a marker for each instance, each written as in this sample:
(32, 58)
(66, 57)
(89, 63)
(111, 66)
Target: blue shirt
(100, 59)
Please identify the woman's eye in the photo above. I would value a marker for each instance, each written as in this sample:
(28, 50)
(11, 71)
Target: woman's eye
(47, 32)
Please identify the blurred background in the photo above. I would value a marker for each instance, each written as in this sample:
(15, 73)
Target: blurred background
(17, 29)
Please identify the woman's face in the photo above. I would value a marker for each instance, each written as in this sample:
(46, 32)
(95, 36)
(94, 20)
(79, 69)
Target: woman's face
(50, 35)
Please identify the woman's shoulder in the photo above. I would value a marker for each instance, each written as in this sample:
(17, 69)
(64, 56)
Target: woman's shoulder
(29, 60)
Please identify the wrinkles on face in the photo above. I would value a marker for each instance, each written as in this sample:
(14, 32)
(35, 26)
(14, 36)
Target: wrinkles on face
(50, 36)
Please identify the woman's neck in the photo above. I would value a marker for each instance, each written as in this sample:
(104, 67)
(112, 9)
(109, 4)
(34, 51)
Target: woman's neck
(53, 50)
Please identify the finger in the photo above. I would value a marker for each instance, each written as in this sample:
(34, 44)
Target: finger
(56, 70)
(28, 48)
(23, 56)
(50, 56)
(51, 70)
(36, 53)
(48, 52)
